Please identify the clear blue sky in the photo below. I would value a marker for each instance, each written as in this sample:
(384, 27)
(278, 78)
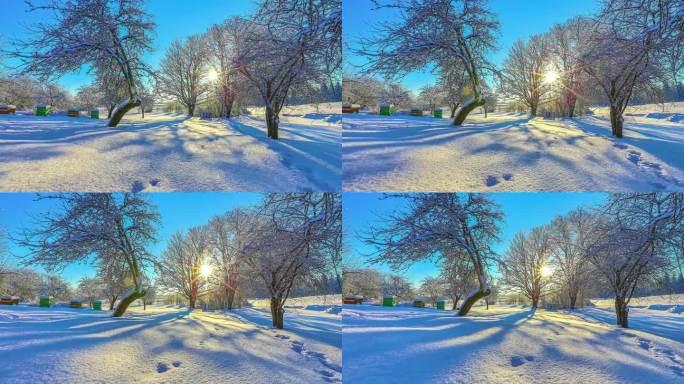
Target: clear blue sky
(518, 19)
(179, 211)
(522, 210)
(174, 19)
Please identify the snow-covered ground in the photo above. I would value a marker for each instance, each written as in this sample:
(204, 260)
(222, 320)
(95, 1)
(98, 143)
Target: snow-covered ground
(168, 152)
(512, 152)
(167, 344)
(509, 344)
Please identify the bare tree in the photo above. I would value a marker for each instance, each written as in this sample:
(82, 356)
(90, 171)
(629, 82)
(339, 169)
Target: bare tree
(114, 228)
(452, 81)
(183, 72)
(458, 276)
(433, 288)
(571, 236)
(362, 90)
(437, 225)
(525, 265)
(634, 232)
(221, 43)
(181, 267)
(288, 242)
(89, 32)
(287, 42)
(115, 280)
(433, 32)
(620, 53)
(566, 42)
(228, 235)
(523, 71)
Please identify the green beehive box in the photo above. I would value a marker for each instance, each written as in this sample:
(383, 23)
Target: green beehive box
(437, 113)
(97, 305)
(385, 110)
(95, 114)
(389, 301)
(46, 301)
(440, 304)
(42, 110)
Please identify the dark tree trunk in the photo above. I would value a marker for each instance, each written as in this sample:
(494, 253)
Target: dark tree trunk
(272, 123)
(111, 303)
(616, 121)
(621, 312)
(144, 305)
(572, 298)
(471, 300)
(229, 109)
(120, 112)
(277, 313)
(110, 109)
(463, 112)
(126, 301)
(191, 110)
(535, 302)
(454, 305)
(487, 303)
(453, 108)
(485, 111)
(533, 110)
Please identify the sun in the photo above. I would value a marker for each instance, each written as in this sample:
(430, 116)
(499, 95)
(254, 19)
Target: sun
(550, 76)
(212, 75)
(206, 270)
(546, 271)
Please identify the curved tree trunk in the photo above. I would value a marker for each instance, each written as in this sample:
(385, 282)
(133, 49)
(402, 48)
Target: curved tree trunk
(470, 300)
(121, 111)
(126, 301)
(535, 302)
(463, 112)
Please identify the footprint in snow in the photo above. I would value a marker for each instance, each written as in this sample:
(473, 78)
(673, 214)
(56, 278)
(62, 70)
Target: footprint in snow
(176, 363)
(154, 182)
(508, 176)
(137, 186)
(491, 181)
(297, 346)
(162, 367)
(620, 146)
(517, 361)
(283, 337)
(676, 362)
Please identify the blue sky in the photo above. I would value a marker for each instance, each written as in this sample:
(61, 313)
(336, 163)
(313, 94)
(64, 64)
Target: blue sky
(518, 19)
(179, 211)
(174, 19)
(522, 210)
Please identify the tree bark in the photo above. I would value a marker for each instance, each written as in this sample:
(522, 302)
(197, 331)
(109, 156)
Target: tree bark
(191, 110)
(463, 112)
(454, 305)
(120, 112)
(471, 300)
(621, 312)
(616, 121)
(126, 301)
(533, 110)
(272, 123)
(111, 303)
(453, 108)
(277, 313)
(535, 302)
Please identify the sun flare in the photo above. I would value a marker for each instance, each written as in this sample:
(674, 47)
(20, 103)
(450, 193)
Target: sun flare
(550, 77)
(205, 270)
(546, 271)
(212, 75)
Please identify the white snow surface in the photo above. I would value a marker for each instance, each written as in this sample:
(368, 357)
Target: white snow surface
(167, 345)
(513, 152)
(169, 152)
(508, 344)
